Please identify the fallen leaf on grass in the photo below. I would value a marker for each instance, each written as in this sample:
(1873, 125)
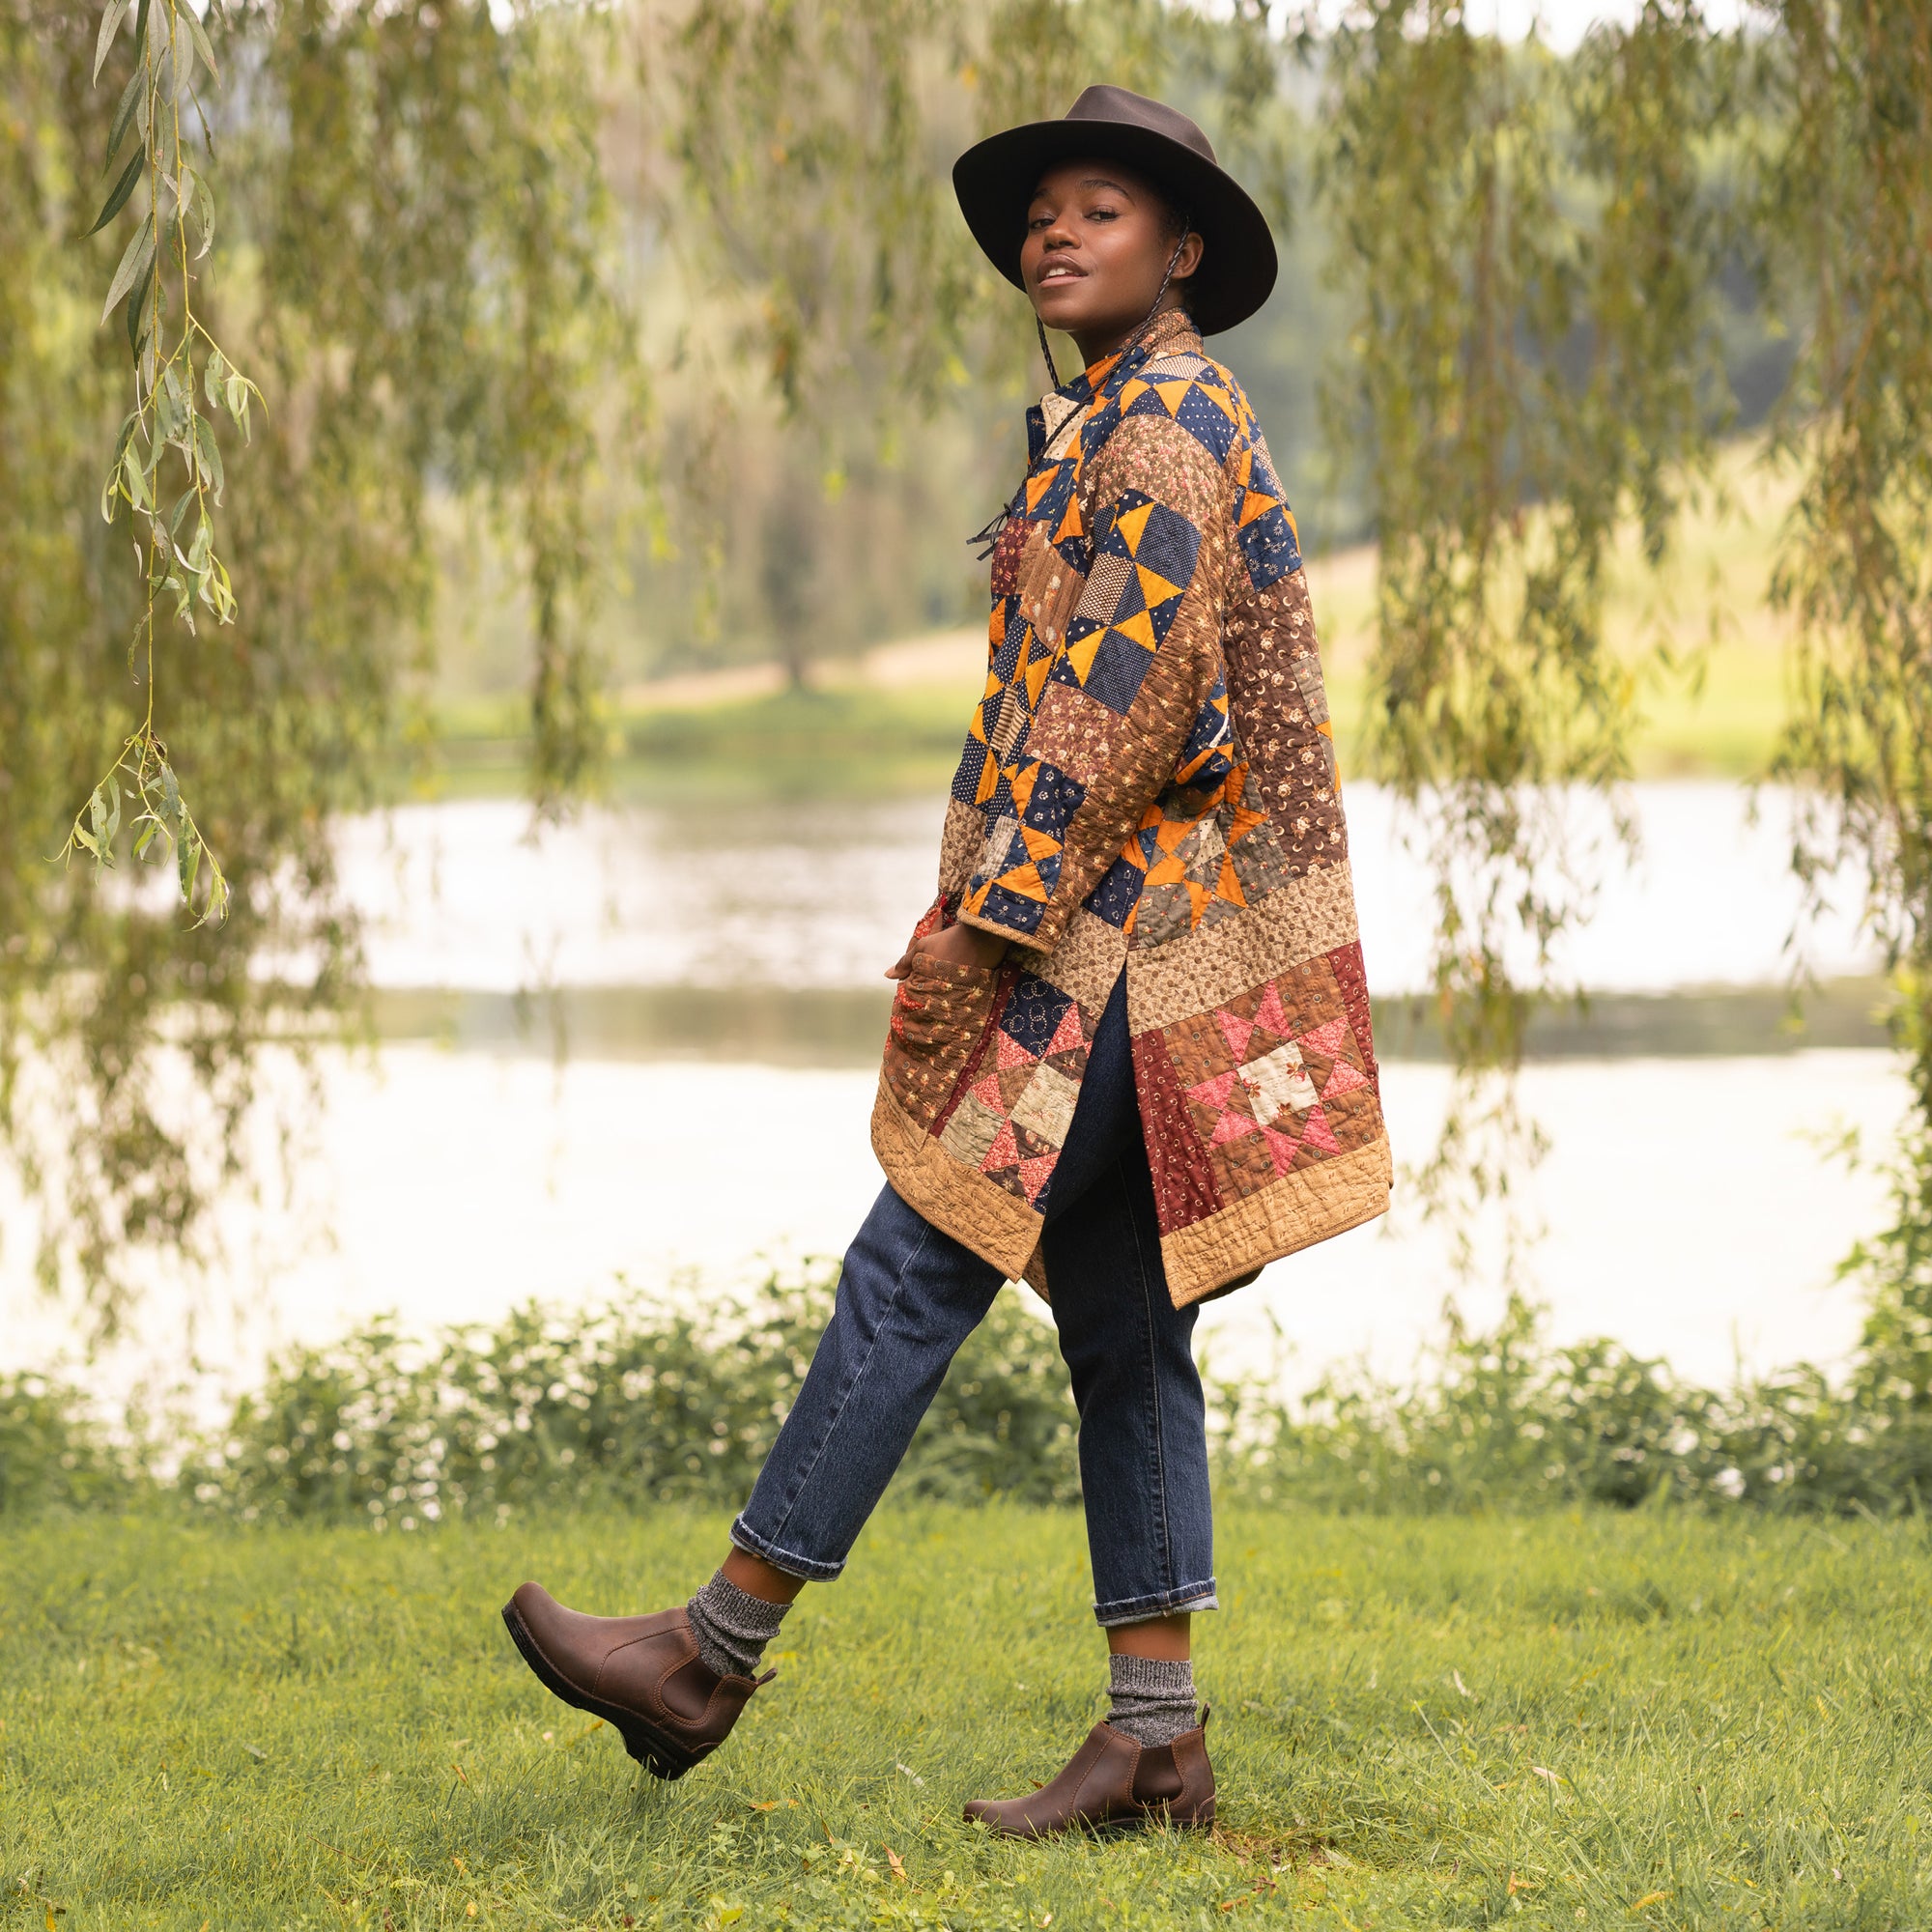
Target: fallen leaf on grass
(1455, 1678)
(898, 1865)
(1547, 1775)
(1650, 1898)
(910, 1773)
(458, 1769)
(256, 1752)
(1517, 1884)
(765, 1803)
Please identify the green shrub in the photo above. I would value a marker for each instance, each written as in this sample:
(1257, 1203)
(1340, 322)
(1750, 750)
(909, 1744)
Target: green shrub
(1506, 1420)
(644, 1402)
(54, 1454)
(638, 1402)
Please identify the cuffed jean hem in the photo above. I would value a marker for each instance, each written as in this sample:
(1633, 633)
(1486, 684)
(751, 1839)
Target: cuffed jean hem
(792, 1564)
(1167, 1604)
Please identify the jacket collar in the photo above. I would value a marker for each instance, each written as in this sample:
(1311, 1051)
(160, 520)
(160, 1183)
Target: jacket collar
(1171, 333)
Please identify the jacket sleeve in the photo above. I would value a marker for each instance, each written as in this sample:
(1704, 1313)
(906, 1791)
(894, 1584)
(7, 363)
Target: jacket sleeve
(1124, 687)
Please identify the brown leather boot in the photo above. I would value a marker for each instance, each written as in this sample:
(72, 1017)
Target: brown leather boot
(641, 1674)
(1112, 1779)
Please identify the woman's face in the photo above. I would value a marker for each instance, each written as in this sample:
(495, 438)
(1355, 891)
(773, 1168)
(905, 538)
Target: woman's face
(1095, 249)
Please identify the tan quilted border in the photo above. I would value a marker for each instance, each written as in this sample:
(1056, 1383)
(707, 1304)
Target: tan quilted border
(1302, 1208)
(979, 1213)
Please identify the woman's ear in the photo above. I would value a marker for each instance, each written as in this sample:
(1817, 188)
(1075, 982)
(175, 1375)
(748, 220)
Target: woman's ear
(1192, 248)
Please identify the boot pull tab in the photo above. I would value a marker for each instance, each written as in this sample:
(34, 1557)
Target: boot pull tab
(1206, 1711)
(760, 1683)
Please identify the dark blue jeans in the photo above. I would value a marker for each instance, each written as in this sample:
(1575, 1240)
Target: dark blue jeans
(909, 1294)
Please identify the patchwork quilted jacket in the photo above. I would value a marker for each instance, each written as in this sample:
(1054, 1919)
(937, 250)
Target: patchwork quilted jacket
(1148, 786)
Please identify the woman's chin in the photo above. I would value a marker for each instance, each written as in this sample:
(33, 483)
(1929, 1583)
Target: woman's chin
(1063, 308)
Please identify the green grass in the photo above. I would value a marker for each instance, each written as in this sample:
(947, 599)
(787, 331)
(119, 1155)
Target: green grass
(1647, 1719)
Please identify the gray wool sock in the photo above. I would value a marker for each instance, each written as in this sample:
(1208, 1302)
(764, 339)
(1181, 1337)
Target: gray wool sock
(732, 1627)
(1153, 1699)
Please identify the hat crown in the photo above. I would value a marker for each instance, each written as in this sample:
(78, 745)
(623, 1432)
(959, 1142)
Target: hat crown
(1120, 106)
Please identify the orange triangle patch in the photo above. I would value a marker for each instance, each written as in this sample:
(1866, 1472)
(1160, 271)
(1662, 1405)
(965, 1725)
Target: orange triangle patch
(1156, 587)
(1132, 525)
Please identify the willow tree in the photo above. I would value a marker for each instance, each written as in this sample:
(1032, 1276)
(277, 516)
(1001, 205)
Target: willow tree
(1530, 246)
(1531, 367)
(411, 229)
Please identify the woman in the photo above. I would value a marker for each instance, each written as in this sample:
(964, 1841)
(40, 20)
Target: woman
(1129, 1059)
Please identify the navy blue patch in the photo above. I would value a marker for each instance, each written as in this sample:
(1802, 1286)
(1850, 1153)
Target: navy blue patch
(1117, 892)
(1052, 501)
(1056, 798)
(1006, 659)
(1033, 1012)
(1169, 544)
(1119, 667)
(1208, 422)
(966, 779)
(1270, 546)
(1009, 909)
(1108, 538)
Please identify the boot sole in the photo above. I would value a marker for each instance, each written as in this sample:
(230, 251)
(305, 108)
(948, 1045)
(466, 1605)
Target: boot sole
(662, 1755)
(1150, 1820)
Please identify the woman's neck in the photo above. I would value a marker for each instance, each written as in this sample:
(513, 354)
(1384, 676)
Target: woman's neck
(1096, 346)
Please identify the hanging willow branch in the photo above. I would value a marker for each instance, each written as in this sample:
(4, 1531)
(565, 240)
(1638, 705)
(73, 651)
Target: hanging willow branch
(1845, 212)
(176, 363)
(1531, 272)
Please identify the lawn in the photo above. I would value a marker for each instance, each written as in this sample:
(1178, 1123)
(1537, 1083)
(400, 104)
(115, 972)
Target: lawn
(1653, 1720)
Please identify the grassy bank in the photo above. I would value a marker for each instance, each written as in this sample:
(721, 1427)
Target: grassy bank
(894, 722)
(1647, 1719)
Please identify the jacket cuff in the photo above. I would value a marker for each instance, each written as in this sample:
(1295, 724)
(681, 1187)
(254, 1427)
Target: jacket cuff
(993, 926)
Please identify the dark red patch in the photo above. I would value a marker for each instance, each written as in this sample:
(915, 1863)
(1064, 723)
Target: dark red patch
(1183, 1185)
(1346, 963)
(1002, 991)
(1006, 548)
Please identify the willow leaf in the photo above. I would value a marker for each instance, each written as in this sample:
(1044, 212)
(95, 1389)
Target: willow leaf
(116, 200)
(137, 313)
(138, 258)
(110, 24)
(201, 46)
(203, 210)
(130, 98)
(208, 453)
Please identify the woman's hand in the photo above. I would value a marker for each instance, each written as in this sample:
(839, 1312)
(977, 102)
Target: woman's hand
(958, 945)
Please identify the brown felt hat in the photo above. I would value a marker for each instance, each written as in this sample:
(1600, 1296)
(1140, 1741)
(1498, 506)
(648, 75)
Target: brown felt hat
(995, 179)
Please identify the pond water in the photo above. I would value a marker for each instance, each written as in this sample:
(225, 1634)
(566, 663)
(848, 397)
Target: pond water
(714, 971)
(819, 894)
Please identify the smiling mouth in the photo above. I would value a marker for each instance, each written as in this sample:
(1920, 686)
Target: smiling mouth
(1062, 272)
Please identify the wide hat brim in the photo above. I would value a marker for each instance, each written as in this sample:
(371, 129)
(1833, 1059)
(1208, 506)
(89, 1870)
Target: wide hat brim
(995, 179)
